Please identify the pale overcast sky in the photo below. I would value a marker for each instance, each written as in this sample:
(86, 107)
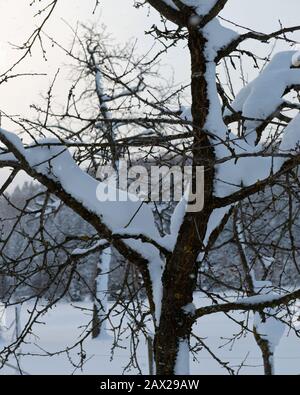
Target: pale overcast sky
(123, 21)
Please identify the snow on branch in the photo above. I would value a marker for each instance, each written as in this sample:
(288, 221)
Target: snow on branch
(82, 252)
(263, 97)
(234, 180)
(54, 167)
(263, 37)
(196, 13)
(259, 185)
(208, 9)
(253, 303)
(200, 7)
(168, 9)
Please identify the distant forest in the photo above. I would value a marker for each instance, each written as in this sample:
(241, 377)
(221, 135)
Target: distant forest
(222, 268)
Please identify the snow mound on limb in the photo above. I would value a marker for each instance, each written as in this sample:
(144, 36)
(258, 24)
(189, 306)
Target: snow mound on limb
(54, 161)
(290, 140)
(264, 95)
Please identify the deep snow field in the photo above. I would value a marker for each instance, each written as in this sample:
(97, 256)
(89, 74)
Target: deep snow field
(62, 327)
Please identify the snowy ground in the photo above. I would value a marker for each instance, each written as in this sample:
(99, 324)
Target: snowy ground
(63, 326)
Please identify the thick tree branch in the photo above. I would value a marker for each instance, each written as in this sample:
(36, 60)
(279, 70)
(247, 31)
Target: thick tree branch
(254, 36)
(56, 188)
(258, 186)
(168, 12)
(182, 17)
(216, 9)
(253, 303)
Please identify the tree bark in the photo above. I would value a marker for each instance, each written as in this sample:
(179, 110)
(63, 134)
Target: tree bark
(100, 294)
(266, 352)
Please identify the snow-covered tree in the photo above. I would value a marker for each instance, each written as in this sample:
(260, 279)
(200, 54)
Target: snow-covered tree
(245, 143)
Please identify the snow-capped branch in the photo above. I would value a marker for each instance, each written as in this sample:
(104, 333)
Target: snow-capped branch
(258, 186)
(253, 303)
(234, 181)
(192, 13)
(83, 252)
(263, 37)
(100, 91)
(167, 9)
(213, 12)
(54, 167)
(144, 239)
(277, 79)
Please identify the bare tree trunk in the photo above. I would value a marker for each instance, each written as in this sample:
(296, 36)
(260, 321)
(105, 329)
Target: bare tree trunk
(180, 275)
(263, 344)
(101, 294)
